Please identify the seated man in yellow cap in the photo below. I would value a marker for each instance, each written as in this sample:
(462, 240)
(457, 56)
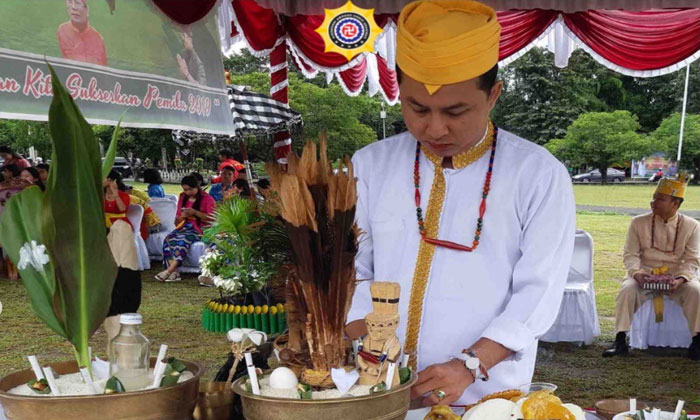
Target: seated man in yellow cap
(663, 241)
(475, 223)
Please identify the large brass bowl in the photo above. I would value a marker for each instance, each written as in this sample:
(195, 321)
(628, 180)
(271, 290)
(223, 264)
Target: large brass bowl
(390, 405)
(171, 403)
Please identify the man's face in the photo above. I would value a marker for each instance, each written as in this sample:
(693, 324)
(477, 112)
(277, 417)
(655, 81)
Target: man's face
(663, 205)
(43, 174)
(78, 11)
(222, 158)
(227, 177)
(452, 119)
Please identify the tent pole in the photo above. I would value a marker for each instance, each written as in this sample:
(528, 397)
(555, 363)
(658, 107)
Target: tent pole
(685, 102)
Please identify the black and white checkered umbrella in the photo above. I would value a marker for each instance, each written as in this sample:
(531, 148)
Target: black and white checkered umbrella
(253, 114)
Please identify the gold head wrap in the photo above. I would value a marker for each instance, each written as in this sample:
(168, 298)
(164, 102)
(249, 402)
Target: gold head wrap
(440, 42)
(673, 187)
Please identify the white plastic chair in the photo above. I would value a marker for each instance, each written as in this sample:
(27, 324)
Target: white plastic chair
(577, 320)
(671, 332)
(191, 263)
(172, 197)
(166, 210)
(135, 214)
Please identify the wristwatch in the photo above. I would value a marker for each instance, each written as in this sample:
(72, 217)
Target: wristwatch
(474, 365)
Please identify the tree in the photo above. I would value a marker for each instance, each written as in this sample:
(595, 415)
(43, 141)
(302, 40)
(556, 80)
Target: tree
(667, 134)
(350, 122)
(21, 135)
(600, 139)
(139, 143)
(539, 101)
(244, 63)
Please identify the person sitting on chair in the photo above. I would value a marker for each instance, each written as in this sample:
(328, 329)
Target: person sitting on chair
(663, 241)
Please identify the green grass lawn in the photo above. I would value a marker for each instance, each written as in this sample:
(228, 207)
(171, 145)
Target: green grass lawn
(172, 315)
(636, 196)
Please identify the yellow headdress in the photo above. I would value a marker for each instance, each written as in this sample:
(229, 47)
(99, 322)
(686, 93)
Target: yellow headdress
(441, 42)
(673, 187)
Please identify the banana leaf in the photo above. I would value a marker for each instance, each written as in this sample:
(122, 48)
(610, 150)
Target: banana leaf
(112, 150)
(20, 224)
(73, 224)
(71, 289)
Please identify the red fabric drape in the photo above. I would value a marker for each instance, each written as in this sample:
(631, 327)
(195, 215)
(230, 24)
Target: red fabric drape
(301, 30)
(185, 11)
(260, 26)
(521, 27)
(354, 77)
(387, 80)
(639, 40)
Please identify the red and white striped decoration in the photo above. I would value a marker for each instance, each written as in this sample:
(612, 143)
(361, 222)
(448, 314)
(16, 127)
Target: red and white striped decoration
(279, 90)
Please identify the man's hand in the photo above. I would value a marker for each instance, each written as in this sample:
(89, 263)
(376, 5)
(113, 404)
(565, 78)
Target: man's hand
(451, 377)
(641, 277)
(677, 282)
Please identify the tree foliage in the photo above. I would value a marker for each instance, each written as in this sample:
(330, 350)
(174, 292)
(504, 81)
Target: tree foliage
(600, 139)
(667, 135)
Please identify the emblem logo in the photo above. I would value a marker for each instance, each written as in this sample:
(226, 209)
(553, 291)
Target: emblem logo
(349, 30)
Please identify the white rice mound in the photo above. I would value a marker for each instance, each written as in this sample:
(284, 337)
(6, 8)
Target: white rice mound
(72, 385)
(267, 391)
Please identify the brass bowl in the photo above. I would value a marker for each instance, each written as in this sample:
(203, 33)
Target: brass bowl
(215, 401)
(172, 403)
(388, 405)
(609, 408)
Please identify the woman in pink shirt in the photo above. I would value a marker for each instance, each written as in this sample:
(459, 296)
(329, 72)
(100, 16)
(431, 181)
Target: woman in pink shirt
(194, 209)
(13, 158)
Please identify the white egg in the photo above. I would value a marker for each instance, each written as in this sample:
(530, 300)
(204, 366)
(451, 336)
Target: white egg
(496, 409)
(576, 411)
(283, 378)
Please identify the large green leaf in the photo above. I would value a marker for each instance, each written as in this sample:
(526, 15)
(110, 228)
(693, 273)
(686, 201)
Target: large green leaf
(73, 223)
(20, 224)
(108, 163)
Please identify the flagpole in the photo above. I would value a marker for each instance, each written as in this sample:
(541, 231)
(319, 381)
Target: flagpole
(685, 101)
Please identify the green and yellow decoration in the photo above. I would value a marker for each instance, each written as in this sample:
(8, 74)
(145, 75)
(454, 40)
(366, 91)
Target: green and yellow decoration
(222, 317)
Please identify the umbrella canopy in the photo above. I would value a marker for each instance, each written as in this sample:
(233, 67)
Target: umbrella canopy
(253, 114)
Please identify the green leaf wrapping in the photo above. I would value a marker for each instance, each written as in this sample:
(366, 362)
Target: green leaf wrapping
(108, 163)
(19, 225)
(73, 223)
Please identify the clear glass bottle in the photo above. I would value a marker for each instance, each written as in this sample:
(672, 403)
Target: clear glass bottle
(128, 354)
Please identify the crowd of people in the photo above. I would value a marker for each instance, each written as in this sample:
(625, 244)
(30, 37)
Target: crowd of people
(195, 207)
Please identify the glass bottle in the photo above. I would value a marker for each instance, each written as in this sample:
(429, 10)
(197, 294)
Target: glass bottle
(128, 354)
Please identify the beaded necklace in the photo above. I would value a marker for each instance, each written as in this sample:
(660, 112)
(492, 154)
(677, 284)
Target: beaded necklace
(675, 237)
(482, 206)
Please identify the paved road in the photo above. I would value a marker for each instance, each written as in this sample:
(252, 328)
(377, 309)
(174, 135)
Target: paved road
(629, 211)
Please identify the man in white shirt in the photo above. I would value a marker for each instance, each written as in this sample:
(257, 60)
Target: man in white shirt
(475, 223)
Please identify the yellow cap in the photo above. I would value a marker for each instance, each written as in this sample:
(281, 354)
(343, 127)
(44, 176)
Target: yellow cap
(237, 309)
(280, 308)
(258, 310)
(673, 187)
(244, 310)
(441, 42)
(251, 309)
(273, 310)
(265, 309)
(231, 308)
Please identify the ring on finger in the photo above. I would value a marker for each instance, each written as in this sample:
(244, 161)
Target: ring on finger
(440, 394)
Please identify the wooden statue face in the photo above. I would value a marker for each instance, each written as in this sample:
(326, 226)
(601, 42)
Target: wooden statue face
(381, 330)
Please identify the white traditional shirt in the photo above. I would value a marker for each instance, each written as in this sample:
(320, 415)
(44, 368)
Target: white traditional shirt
(509, 289)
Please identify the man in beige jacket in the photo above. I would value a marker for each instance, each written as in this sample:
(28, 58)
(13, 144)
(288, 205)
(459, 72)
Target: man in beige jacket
(663, 240)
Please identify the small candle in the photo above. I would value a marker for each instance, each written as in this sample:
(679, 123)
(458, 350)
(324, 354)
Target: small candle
(404, 361)
(390, 375)
(88, 380)
(252, 374)
(48, 373)
(679, 408)
(35, 367)
(633, 405)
